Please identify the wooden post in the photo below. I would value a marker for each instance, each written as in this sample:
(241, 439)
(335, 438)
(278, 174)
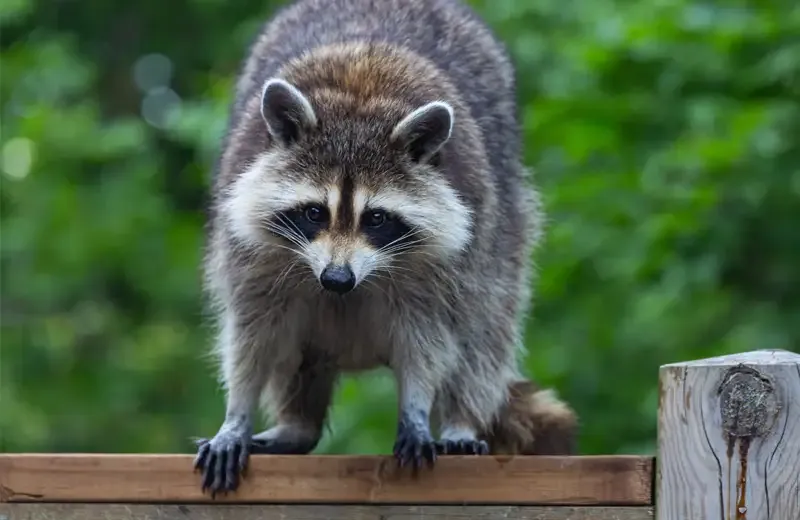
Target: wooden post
(729, 438)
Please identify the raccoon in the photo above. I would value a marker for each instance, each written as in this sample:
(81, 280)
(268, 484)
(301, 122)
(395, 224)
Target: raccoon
(371, 209)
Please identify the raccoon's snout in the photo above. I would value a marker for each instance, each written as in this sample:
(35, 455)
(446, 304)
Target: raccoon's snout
(338, 278)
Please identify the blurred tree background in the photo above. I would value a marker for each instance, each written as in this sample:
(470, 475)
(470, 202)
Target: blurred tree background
(664, 134)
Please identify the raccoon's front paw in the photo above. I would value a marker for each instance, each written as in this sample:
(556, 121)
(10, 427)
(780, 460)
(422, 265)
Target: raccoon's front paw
(462, 447)
(414, 444)
(222, 459)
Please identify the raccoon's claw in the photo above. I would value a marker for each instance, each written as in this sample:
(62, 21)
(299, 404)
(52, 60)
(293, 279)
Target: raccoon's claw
(412, 446)
(462, 447)
(221, 460)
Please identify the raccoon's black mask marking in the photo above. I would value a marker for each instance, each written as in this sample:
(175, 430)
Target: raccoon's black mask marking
(308, 221)
(382, 229)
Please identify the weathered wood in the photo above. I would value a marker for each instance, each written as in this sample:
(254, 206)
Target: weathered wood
(729, 438)
(587, 480)
(314, 512)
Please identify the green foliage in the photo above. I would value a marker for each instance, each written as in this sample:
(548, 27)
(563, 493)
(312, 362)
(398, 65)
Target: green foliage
(663, 134)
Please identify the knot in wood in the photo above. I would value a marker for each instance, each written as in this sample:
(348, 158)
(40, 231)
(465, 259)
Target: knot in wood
(748, 403)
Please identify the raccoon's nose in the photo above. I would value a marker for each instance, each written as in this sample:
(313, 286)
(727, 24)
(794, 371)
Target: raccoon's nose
(338, 278)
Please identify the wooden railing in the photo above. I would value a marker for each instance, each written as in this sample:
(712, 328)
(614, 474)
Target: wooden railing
(729, 449)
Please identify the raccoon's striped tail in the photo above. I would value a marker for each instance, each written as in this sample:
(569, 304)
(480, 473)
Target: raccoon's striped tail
(534, 421)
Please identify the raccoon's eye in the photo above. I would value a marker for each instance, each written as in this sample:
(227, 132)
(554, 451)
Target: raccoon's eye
(315, 214)
(375, 218)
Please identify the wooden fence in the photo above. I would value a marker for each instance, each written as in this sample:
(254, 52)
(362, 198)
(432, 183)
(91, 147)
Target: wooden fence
(728, 441)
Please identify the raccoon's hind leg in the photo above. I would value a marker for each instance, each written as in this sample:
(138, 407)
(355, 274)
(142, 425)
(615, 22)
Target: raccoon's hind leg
(458, 435)
(471, 398)
(299, 401)
(461, 440)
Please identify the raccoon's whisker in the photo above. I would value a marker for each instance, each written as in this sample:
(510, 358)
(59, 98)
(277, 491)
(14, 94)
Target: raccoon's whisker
(292, 224)
(298, 250)
(401, 240)
(393, 256)
(280, 230)
(296, 280)
(388, 265)
(393, 246)
(383, 269)
(410, 233)
(395, 276)
(372, 284)
(293, 250)
(286, 227)
(408, 247)
(281, 246)
(305, 274)
(288, 234)
(404, 245)
(283, 277)
(296, 231)
(377, 287)
(402, 248)
(377, 273)
(416, 252)
(302, 275)
(313, 276)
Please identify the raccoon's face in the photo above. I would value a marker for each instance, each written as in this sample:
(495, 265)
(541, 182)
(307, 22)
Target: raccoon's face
(349, 199)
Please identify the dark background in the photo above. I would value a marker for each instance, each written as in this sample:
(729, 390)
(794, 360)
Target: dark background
(664, 135)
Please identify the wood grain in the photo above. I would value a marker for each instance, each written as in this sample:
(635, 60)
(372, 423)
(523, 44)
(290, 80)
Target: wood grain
(584, 480)
(729, 438)
(318, 512)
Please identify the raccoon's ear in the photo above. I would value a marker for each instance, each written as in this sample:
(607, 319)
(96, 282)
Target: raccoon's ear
(425, 130)
(286, 111)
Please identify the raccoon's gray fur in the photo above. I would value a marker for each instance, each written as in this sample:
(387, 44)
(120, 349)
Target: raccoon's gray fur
(355, 123)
